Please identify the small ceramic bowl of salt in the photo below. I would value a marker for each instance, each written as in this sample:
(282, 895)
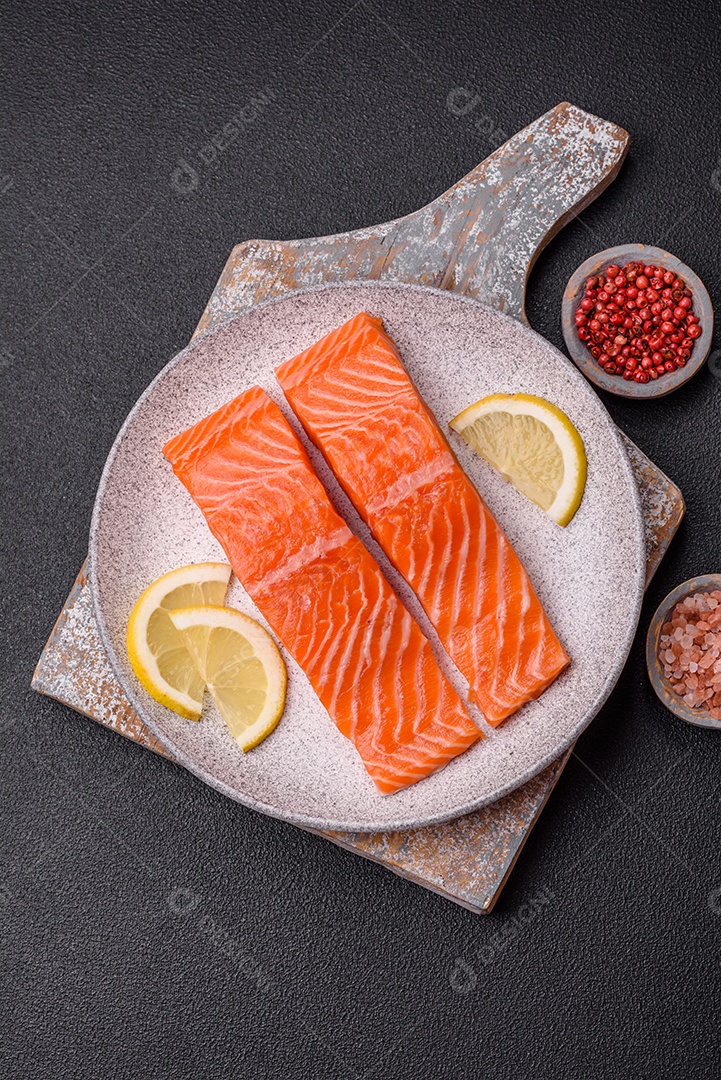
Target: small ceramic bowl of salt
(683, 651)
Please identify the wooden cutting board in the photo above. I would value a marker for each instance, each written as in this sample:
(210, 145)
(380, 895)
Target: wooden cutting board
(480, 238)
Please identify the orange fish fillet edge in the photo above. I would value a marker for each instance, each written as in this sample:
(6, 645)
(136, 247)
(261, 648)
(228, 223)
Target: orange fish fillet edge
(357, 403)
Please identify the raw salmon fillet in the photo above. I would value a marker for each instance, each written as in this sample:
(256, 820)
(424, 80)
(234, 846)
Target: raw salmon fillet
(358, 404)
(321, 591)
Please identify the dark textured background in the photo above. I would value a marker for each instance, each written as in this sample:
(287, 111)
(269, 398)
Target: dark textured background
(602, 959)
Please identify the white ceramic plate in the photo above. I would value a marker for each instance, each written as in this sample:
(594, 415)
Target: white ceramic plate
(589, 575)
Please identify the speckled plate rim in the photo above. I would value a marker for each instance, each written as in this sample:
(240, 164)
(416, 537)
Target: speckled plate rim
(364, 826)
(664, 692)
(615, 384)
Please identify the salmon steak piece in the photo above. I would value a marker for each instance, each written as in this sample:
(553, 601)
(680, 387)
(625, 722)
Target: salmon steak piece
(321, 591)
(357, 403)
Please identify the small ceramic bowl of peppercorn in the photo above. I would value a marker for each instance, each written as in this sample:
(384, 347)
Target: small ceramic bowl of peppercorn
(637, 321)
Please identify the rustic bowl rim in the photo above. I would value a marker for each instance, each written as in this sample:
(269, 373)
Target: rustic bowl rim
(217, 334)
(661, 686)
(580, 354)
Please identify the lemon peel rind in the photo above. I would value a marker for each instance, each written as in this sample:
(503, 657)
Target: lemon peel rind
(141, 659)
(266, 651)
(570, 493)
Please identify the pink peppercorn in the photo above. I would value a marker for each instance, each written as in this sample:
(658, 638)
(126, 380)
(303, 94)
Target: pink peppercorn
(638, 315)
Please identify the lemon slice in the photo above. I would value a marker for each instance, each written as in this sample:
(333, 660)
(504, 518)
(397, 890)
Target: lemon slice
(533, 445)
(241, 665)
(156, 650)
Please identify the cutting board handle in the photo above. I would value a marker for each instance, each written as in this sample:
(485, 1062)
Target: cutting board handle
(481, 237)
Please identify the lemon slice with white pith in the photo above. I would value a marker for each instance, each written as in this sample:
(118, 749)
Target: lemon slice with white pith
(534, 446)
(156, 649)
(240, 664)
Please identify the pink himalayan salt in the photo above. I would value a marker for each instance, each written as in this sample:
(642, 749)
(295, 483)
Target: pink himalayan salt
(690, 651)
